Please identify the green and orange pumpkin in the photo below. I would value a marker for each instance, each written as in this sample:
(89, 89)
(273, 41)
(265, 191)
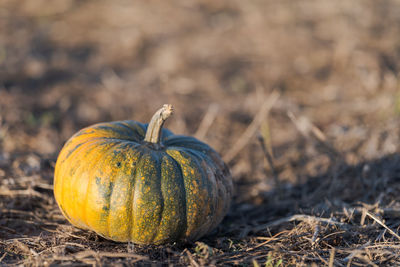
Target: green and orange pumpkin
(133, 182)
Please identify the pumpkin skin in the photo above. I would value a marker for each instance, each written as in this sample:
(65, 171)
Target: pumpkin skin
(109, 180)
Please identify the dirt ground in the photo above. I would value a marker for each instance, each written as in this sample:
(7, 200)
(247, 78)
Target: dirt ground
(301, 98)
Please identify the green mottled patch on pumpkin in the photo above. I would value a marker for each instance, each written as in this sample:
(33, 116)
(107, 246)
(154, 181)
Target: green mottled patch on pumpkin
(197, 196)
(106, 208)
(147, 198)
(105, 188)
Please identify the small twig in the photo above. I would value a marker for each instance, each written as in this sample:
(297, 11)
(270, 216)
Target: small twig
(299, 217)
(307, 129)
(207, 121)
(332, 257)
(2, 257)
(192, 261)
(331, 234)
(25, 192)
(245, 138)
(270, 160)
(75, 244)
(8, 229)
(322, 259)
(355, 254)
(44, 186)
(356, 251)
(363, 216)
(122, 255)
(315, 235)
(90, 253)
(382, 224)
(270, 239)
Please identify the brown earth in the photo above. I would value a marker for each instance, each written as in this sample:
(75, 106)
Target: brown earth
(317, 176)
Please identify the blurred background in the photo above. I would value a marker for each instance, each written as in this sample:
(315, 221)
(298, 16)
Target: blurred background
(66, 64)
(329, 69)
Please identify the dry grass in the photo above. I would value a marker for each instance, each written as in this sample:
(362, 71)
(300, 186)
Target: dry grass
(316, 81)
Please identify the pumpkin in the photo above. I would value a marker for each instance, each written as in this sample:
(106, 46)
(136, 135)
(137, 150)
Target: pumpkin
(140, 183)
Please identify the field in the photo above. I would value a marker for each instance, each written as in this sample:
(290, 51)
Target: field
(301, 99)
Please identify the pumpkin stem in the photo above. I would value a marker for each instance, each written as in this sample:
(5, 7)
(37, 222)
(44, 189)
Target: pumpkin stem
(153, 133)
